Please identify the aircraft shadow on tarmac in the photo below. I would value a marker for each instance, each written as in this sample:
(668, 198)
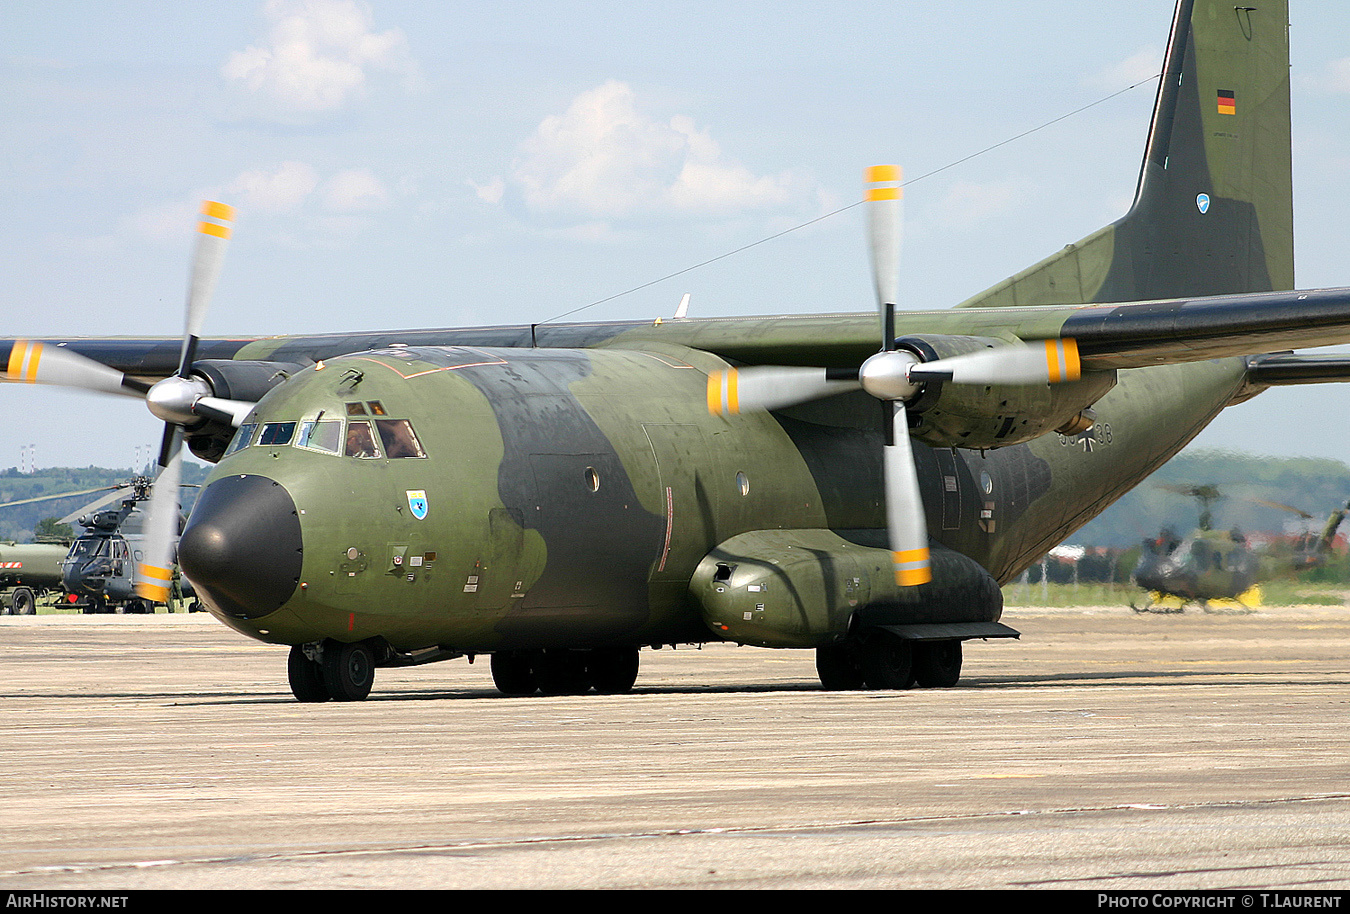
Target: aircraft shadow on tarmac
(1238, 679)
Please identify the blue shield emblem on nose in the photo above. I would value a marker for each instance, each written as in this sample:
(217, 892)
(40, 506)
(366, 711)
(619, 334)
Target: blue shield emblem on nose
(417, 501)
(1202, 203)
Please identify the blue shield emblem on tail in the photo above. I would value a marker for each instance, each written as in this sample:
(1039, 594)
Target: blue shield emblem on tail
(417, 501)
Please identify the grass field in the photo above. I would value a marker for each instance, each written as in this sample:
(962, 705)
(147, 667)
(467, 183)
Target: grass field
(1272, 593)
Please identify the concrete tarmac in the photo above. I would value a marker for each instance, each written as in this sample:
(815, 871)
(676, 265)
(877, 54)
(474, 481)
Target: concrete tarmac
(1105, 751)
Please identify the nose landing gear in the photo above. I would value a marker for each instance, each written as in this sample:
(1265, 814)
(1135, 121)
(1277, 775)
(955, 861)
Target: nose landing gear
(331, 670)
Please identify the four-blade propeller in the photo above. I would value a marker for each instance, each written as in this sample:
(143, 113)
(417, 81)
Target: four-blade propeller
(893, 376)
(180, 400)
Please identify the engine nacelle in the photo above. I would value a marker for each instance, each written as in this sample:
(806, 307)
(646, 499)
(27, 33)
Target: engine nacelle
(997, 415)
(231, 380)
(807, 588)
(243, 380)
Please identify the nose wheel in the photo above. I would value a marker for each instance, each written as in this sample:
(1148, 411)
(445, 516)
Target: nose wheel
(334, 671)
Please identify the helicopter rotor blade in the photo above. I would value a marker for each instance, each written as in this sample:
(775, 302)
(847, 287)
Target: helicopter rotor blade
(94, 505)
(59, 495)
(1281, 507)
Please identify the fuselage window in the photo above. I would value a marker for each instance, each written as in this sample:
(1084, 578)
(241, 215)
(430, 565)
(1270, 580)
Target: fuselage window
(360, 440)
(399, 438)
(277, 433)
(242, 437)
(324, 435)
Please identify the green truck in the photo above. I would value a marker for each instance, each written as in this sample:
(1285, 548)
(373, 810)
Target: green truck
(27, 571)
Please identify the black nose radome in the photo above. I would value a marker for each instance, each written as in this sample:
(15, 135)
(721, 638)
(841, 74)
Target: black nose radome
(242, 547)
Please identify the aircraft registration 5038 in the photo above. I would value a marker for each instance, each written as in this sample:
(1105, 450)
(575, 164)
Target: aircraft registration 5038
(855, 484)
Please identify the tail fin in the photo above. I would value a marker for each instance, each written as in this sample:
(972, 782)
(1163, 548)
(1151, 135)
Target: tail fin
(1213, 212)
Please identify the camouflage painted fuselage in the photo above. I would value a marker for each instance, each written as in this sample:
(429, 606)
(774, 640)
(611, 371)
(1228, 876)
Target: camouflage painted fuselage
(571, 494)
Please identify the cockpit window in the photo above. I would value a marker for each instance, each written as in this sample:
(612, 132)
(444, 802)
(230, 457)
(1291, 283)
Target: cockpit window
(88, 547)
(399, 438)
(242, 438)
(360, 440)
(376, 407)
(324, 435)
(356, 409)
(277, 433)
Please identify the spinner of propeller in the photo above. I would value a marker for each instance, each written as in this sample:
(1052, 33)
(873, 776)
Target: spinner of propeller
(180, 400)
(895, 377)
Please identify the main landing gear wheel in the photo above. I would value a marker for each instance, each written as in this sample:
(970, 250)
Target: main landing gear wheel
(613, 671)
(839, 667)
(883, 660)
(513, 674)
(561, 671)
(887, 661)
(937, 664)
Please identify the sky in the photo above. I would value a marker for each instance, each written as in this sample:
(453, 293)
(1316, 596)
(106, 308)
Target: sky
(401, 164)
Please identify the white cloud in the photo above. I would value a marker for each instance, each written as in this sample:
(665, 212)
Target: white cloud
(606, 159)
(492, 191)
(317, 54)
(280, 188)
(354, 190)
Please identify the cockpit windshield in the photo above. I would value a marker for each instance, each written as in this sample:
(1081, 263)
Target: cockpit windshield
(360, 441)
(371, 436)
(398, 438)
(87, 547)
(242, 438)
(321, 435)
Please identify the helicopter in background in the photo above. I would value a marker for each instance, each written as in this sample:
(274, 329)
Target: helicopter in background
(98, 570)
(1212, 565)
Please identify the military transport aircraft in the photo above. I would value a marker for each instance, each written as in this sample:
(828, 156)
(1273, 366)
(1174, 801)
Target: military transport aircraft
(860, 484)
